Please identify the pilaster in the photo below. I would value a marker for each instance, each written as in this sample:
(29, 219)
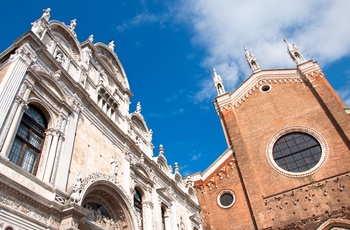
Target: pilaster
(12, 81)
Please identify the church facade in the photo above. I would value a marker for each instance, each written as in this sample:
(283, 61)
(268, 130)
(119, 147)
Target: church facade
(287, 165)
(72, 155)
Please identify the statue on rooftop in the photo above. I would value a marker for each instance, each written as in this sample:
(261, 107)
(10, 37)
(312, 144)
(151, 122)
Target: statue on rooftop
(91, 38)
(111, 45)
(73, 24)
(46, 14)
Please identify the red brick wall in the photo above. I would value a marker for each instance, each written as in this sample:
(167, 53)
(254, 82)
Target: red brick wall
(255, 121)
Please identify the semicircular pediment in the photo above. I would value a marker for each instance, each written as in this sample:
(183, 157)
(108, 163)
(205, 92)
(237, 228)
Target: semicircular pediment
(112, 62)
(139, 123)
(66, 39)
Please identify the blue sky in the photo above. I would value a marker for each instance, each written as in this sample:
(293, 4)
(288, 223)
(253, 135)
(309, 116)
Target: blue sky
(168, 49)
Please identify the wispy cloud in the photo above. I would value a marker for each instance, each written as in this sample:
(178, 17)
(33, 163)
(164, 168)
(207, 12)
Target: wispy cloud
(144, 18)
(223, 28)
(195, 156)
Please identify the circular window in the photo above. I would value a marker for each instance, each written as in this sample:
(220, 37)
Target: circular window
(297, 151)
(265, 88)
(226, 199)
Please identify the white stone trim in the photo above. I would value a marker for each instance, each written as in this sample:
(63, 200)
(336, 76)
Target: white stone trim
(223, 192)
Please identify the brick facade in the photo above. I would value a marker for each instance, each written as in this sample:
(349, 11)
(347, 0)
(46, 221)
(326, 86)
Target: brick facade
(268, 104)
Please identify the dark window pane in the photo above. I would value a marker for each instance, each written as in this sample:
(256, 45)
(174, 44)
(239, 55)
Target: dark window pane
(226, 199)
(299, 152)
(29, 139)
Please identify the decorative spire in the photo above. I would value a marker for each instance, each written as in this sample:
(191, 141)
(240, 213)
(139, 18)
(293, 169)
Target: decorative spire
(218, 83)
(138, 107)
(294, 53)
(161, 150)
(176, 167)
(253, 64)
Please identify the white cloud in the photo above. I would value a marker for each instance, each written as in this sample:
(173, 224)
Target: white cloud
(144, 18)
(318, 28)
(195, 156)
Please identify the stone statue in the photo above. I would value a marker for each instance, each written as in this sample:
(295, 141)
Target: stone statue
(87, 55)
(77, 187)
(46, 14)
(91, 38)
(38, 26)
(73, 24)
(114, 164)
(59, 57)
(111, 45)
(247, 53)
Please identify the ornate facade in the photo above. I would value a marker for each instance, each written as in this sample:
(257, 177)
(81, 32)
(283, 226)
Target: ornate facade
(288, 158)
(72, 155)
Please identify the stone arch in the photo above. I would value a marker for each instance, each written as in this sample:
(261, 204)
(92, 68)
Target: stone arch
(66, 39)
(54, 84)
(335, 224)
(162, 163)
(192, 193)
(178, 179)
(138, 122)
(112, 62)
(142, 171)
(50, 118)
(107, 205)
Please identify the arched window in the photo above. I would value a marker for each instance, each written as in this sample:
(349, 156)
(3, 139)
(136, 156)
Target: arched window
(29, 140)
(163, 217)
(138, 205)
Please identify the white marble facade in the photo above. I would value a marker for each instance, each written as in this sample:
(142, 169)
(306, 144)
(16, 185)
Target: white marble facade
(72, 155)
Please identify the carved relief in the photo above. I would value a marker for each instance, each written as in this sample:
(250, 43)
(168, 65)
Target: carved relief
(25, 209)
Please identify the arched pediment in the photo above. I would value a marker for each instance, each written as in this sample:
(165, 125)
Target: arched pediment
(162, 163)
(66, 39)
(139, 122)
(112, 62)
(52, 83)
(139, 168)
(107, 205)
(192, 194)
(178, 179)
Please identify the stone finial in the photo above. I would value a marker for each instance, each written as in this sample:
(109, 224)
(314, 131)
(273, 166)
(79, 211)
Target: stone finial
(176, 167)
(138, 107)
(294, 53)
(161, 150)
(218, 83)
(253, 64)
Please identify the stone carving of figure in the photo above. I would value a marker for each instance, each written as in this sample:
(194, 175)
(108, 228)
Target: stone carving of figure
(77, 187)
(73, 24)
(59, 57)
(138, 107)
(114, 164)
(111, 45)
(86, 55)
(38, 25)
(247, 53)
(46, 14)
(91, 38)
